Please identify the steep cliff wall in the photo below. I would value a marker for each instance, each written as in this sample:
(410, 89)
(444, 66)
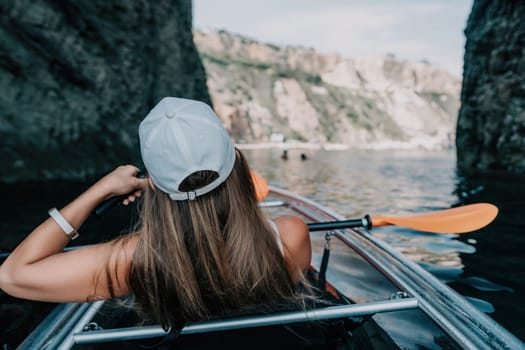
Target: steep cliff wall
(76, 77)
(382, 102)
(491, 122)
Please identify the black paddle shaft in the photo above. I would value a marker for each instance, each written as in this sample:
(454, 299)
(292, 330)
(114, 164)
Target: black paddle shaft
(365, 222)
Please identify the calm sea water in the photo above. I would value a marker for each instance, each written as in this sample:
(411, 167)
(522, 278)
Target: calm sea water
(487, 266)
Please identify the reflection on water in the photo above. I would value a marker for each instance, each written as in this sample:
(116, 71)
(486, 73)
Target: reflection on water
(499, 257)
(486, 266)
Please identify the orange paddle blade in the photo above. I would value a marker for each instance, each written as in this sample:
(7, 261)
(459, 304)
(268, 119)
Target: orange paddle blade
(463, 219)
(260, 185)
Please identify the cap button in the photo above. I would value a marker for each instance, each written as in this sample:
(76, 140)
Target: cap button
(170, 114)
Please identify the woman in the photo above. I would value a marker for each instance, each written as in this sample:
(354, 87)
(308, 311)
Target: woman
(202, 247)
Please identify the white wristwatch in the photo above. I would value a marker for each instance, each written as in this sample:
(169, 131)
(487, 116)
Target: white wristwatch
(62, 222)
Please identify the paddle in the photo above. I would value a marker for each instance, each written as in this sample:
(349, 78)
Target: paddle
(260, 184)
(456, 220)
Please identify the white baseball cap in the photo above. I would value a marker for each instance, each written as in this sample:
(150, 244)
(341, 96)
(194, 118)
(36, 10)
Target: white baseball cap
(179, 137)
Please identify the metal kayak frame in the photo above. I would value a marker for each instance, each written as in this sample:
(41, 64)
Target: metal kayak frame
(65, 326)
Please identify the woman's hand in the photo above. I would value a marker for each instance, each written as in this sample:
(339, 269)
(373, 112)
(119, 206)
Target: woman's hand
(121, 181)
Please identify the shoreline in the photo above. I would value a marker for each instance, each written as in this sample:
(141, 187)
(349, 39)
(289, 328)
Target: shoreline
(379, 146)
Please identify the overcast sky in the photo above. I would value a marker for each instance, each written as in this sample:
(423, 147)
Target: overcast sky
(410, 29)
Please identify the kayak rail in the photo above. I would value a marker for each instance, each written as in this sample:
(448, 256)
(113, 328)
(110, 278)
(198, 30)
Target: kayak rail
(66, 326)
(332, 312)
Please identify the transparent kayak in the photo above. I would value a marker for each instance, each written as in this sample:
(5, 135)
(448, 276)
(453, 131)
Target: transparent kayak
(376, 299)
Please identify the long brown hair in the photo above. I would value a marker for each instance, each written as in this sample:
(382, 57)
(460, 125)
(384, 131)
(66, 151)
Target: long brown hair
(202, 257)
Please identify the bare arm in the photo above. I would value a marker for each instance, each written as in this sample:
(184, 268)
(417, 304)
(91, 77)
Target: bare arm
(296, 240)
(38, 269)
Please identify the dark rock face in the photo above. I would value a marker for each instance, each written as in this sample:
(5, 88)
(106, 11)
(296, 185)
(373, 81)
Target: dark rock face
(491, 123)
(77, 76)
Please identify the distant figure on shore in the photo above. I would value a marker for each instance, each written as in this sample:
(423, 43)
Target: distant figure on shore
(303, 156)
(284, 156)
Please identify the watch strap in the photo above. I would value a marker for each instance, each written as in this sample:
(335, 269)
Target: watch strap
(62, 222)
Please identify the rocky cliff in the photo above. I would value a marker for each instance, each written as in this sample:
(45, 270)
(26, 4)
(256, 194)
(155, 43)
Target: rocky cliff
(491, 123)
(259, 90)
(76, 77)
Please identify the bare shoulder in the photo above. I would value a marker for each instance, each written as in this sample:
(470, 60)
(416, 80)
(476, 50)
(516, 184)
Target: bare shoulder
(120, 253)
(291, 223)
(296, 240)
(130, 243)
(294, 233)
(115, 261)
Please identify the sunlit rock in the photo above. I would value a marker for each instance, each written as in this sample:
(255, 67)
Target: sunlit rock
(378, 102)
